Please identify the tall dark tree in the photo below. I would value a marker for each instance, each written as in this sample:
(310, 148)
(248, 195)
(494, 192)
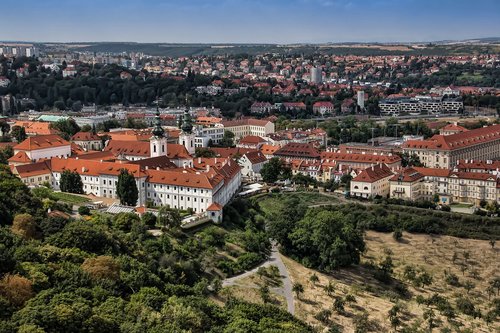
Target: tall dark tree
(19, 133)
(71, 182)
(126, 189)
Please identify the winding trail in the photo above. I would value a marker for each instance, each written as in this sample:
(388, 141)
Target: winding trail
(274, 260)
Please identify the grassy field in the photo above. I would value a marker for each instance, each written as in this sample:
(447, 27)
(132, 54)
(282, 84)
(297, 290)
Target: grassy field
(70, 198)
(270, 202)
(435, 255)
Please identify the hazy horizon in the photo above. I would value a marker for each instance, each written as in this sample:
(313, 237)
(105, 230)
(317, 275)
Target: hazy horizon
(250, 22)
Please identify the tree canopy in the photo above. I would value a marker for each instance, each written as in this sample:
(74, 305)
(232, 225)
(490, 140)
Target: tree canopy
(126, 189)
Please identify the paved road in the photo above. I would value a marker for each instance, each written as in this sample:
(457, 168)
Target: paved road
(285, 290)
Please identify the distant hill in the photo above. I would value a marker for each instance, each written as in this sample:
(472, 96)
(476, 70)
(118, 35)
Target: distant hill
(445, 47)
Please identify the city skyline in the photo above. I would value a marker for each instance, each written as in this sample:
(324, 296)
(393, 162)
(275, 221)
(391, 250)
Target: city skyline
(237, 21)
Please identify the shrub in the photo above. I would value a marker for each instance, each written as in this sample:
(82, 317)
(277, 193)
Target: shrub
(83, 210)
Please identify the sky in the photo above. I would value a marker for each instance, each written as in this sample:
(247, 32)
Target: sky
(248, 21)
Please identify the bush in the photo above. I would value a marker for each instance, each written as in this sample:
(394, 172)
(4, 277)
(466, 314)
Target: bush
(83, 210)
(249, 260)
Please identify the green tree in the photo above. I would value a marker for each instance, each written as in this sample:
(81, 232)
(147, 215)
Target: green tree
(327, 240)
(298, 289)
(314, 279)
(24, 225)
(149, 219)
(394, 316)
(83, 210)
(272, 170)
(169, 218)
(66, 127)
(339, 304)
(228, 139)
(126, 189)
(71, 182)
(19, 133)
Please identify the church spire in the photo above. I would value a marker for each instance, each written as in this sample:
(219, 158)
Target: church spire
(158, 129)
(187, 124)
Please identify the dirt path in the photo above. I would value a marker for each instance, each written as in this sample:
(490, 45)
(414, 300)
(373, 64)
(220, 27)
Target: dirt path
(274, 260)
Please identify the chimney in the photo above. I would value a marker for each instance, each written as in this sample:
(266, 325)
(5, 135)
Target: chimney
(83, 169)
(199, 160)
(147, 167)
(373, 168)
(76, 158)
(208, 168)
(158, 168)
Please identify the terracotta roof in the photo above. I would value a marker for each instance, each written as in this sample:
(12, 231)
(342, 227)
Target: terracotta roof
(186, 179)
(20, 157)
(214, 207)
(142, 148)
(251, 140)
(453, 127)
(256, 157)
(203, 162)
(160, 162)
(42, 142)
(362, 158)
(35, 127)
(323, 104)
(229, 152)
(34, 169)
(299, 150)
(407, 175)
(94, 168)
(373, 174)
(434, 172)
(97, 156)
(85, 136)
(477, 165)
(76, 149)
(473, 176)
(457, 141)
(269, 149)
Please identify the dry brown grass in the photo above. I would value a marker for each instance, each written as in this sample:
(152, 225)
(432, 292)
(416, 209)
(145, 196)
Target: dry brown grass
(432, 254)
(248, 289)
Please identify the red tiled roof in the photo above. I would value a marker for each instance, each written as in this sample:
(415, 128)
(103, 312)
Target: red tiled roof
(269, 149)
(453, 127)
(457, 141)
(256, 157)
(479, 165)
(142, 148)
(20, 157)
(299, 150)
(407, 175)
(251, 139)
(362, 158)
(434, 172)
(229, 152)
(34, 169)
(185, 178)
(42, 142)
(94, 168)
(374, 173)
(85, 136)
(474, 176)
(214, 207)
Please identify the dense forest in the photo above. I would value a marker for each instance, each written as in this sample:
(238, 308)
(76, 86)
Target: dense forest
(108, 274)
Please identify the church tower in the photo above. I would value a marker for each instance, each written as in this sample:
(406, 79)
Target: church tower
(158, 142)
(186, 137)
